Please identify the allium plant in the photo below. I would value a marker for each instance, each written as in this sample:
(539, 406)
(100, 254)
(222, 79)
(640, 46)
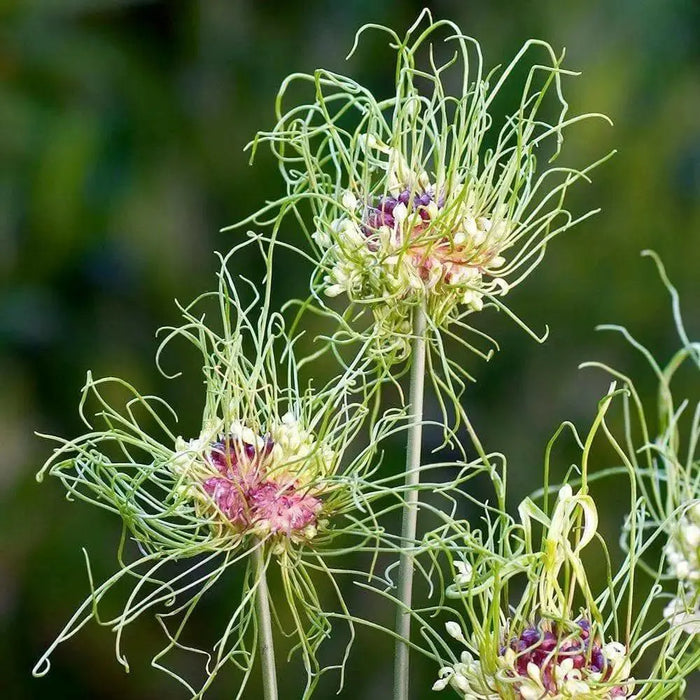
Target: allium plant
(420, 208)
(664, 457)
(425, 201)
(273, 482)
(532, 626)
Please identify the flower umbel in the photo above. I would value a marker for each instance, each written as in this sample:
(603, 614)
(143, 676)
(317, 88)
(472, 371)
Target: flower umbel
(269, 478)
(546, 660)
(425, 197)
(534, 625)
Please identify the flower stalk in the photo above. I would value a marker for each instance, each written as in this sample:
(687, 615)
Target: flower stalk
(265, 639)
(410, 512)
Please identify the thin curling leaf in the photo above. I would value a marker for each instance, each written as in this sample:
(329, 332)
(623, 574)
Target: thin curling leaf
(275, 469)
(529, 511)
(425, 197)
(557, 546)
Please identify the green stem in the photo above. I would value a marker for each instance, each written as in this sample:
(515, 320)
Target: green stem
(267, 649)
(410, 512)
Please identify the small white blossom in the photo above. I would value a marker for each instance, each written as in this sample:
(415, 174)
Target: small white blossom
(464, 573)
(678, 615)
(683, 548)
(349, 200)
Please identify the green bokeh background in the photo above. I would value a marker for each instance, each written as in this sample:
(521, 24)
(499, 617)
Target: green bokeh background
(122, 126)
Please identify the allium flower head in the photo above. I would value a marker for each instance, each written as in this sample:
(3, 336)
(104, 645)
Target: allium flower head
(535, 624)
(416, 241)
(268, 483)
(542, 649)
(426, 197)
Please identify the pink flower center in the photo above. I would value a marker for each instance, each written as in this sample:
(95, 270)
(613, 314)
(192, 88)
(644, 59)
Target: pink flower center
(249, 497)
(443, 253)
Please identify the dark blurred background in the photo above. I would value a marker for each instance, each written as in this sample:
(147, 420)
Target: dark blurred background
(122, 126)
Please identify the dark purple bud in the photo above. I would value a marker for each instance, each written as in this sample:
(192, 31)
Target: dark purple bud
(597, 659)
(222, 456)
(387, 204)
(579, 661)
(530, 636)
(549, 642)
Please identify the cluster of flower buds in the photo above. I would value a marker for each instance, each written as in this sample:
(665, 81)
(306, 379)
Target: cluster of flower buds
(262, 484)
(684, 612)
(683, 557)
(683, 548)
(417, 238)
(544, 661)
(467, 678)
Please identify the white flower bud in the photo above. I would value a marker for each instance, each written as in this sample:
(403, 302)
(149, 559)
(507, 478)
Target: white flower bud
(533, 670)
(691, 535)
(350, 232)
(461, 682)
(443, 681)
(464, 572)
(400, 213)
(455, 631)
(527, 692)
(432, 210)
(322, 238)
(349, 200)
(484, 224)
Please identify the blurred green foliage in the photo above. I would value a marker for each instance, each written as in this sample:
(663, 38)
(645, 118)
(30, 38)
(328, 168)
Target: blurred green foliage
(122, 126)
